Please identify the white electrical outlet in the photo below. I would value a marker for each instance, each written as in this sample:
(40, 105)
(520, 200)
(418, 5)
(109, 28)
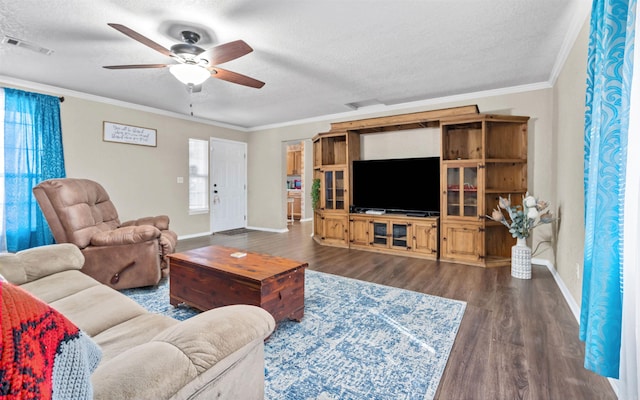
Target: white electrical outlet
(180, 179)
(578, 271)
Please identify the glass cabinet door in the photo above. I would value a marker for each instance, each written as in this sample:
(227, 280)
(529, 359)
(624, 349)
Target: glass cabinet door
(470, 192)
(453, 192)
(380, 233)
(329, 198)
(334, 190)
(399, 235)
(339, 185)
(462, 191)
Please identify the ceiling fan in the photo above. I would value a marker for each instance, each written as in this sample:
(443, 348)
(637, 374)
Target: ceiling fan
(194, 65)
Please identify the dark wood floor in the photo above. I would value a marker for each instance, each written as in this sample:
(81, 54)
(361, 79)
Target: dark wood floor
(518, 338)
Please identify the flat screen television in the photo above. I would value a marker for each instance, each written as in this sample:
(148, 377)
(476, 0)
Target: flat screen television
(403, 185)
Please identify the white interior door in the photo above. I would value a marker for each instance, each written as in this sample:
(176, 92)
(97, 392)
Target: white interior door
(228, 185)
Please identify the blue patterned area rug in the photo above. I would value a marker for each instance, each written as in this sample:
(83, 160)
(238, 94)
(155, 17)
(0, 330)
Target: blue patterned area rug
(357, 340)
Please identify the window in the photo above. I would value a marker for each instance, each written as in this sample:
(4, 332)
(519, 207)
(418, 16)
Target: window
(198, 176)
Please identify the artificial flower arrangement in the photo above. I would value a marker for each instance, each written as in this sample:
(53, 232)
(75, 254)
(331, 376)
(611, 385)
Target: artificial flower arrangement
(522, 219)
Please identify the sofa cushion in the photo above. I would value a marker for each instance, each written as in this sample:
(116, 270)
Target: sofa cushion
(57, 286)
(131, 333)
(98, 308)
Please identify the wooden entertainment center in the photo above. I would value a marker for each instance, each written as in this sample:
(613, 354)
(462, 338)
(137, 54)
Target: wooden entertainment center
(482, 157)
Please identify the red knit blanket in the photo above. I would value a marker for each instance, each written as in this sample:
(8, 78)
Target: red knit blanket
(42, 355)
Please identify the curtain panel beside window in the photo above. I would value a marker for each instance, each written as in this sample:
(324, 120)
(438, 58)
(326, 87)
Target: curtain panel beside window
(33, 152)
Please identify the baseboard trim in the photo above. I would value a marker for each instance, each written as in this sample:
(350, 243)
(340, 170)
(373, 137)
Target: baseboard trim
(256, 228)
(563, 288)
(194, 235)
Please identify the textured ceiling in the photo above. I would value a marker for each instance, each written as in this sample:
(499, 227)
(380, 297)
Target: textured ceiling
(316, 57)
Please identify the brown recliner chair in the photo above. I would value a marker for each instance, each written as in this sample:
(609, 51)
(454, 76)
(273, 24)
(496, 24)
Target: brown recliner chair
(121, 255)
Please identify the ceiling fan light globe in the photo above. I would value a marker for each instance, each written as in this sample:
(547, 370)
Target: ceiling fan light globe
(189, 74)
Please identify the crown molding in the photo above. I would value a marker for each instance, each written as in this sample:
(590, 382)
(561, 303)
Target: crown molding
(357, 114)
(582, 12)
(58, 91)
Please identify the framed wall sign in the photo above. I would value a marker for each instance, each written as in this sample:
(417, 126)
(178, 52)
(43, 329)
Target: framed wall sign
(112, 132)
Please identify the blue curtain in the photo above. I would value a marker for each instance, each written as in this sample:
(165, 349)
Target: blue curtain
(32, 153)
(609, 70)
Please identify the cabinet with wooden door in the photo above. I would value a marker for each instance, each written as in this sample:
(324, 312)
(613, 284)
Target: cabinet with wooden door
(333, 153)
(483, 157)
(294, 161)
(359, 230)
(397, 234)
(426, 237)
(462, 241)
(334, 229)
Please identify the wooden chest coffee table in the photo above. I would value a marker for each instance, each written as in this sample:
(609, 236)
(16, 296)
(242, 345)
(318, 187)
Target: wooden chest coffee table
(211, 277)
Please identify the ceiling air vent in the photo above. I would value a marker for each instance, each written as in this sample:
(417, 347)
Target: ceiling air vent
(365, 103)
(26, 45)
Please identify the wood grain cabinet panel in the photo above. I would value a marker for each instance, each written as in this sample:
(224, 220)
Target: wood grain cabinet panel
(359, 231)
(426, 238)
(483, 158)
(336, 228)
(462, 242)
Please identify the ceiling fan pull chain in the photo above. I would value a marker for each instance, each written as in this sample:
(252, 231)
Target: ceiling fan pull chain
(190, 88)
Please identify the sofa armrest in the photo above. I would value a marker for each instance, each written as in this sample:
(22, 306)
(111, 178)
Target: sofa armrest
(125, 235)
(212, 335)
(191, 347)
(37, 262)
(160, 221)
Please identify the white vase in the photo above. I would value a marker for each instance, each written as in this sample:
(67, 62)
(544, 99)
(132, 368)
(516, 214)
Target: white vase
(521, 260)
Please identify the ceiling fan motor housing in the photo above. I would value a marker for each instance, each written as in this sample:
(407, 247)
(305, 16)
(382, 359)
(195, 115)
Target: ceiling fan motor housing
(188, 48)
(190, 37)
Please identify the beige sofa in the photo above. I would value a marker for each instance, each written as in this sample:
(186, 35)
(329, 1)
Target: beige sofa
(218, 354)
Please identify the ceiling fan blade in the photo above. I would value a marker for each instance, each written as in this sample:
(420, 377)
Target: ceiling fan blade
(135, 66)
(225, 52)
(142, 39)
(235, 77)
